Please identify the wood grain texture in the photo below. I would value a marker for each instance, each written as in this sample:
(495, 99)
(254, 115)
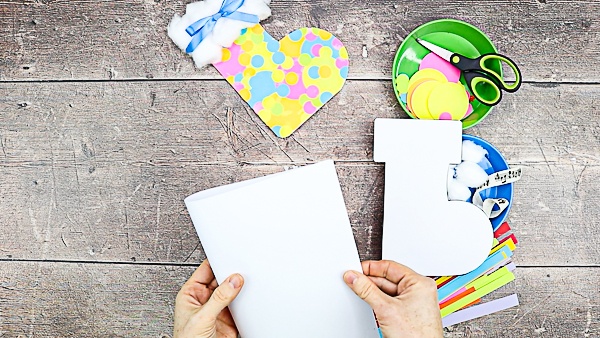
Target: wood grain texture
(105, 126)
(552, 41)
(98, 300)
(206, 122)
(99, 172)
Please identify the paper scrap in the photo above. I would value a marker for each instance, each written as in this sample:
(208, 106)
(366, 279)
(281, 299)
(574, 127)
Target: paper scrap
(285, 82)
(481, 310)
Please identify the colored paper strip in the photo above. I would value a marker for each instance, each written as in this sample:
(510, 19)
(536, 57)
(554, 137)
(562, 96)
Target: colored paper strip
(505, 279)
(502, 229)
(508, 243)
(460, 281)
(511, 236)
(481, 310)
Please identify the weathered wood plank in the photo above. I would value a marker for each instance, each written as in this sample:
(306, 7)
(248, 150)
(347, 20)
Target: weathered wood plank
(49, 40)
(137, 214)
(98, 172)
(178, 123)
(97, 300)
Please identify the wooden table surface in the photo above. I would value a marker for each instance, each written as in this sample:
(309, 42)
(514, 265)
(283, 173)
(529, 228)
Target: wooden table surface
(105, 126)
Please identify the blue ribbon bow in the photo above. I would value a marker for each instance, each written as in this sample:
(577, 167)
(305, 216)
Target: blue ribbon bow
(200, 29)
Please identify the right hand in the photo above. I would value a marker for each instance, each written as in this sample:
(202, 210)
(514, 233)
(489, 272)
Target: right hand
(404, 302)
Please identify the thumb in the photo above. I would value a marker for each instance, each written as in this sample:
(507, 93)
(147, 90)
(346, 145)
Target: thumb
(223, 295)
(364, 287)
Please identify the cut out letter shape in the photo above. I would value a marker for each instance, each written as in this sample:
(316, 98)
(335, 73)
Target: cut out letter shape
(421, 228)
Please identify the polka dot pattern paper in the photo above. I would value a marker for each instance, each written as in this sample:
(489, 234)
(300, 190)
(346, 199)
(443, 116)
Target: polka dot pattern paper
(285, 82)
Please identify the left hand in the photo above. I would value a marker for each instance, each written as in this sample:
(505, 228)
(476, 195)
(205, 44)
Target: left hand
(201, 305)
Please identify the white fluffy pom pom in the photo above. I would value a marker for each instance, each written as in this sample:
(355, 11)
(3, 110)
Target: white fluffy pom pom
(456, 190)
(471, 174)
(225, 32)
(472, 152)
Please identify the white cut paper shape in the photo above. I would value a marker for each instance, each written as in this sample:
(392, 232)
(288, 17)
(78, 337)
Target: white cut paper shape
(289, 235)
(421, 228)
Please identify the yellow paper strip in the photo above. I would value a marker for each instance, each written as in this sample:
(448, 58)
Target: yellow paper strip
(442, 279)
(509, 242)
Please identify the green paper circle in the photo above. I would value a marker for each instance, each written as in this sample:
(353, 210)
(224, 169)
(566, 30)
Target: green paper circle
(457, 36)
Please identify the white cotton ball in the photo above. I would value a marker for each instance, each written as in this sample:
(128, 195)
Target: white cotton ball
(458, 191)
(259, 8)
(225, 32)
(470, 174)
(207, 52)
(177, 32)
(472, 152)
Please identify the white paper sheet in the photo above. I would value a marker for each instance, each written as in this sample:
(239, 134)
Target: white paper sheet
(289, 235)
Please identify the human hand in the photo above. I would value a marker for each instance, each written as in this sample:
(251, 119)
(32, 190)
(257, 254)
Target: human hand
(404, 302)
(201, 305)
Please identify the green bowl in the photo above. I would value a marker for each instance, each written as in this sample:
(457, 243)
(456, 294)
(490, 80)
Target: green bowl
(454, 35)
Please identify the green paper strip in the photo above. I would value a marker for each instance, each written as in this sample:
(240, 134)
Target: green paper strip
(491, 287)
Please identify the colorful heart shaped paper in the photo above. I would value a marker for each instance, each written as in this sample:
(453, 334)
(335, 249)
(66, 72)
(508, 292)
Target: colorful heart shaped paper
(285, 82)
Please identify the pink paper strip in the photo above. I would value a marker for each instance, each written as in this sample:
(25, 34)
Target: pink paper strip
(477, 311)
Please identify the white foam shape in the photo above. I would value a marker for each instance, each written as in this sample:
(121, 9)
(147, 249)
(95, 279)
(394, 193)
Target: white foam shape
(470, 174)
(421, 228)
(472, 152)
(225, 32)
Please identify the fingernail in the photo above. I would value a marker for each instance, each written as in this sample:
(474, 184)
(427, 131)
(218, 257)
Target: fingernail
(235, 281)
(350, 277)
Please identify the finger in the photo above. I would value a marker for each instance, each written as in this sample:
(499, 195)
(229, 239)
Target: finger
(203, 274)
(390, 288)
(222, 296)
(366, 289)
(390, 270)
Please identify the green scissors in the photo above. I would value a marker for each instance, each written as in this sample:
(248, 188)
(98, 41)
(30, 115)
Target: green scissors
(477, 74)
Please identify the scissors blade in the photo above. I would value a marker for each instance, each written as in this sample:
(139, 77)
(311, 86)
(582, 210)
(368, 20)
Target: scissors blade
(439, 51)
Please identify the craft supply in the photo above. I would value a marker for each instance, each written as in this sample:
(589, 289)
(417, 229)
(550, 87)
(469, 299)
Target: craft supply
(477, 73)
(431, 60)
(419, 99)
(430, 96)
(470, 174)
(460, 37)
(462, 280)
(448, 101)
(473, 152)
(480, 310)
(421, 228)
(496, 284)
(502, 229)
(248, 228)
(456, 190)
(285, 82)
(211, 25)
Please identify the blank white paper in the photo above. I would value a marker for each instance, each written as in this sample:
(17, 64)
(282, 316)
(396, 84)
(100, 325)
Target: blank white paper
(289, 235)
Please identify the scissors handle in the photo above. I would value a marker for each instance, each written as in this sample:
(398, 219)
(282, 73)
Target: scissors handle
(482, 87)
(479, 64)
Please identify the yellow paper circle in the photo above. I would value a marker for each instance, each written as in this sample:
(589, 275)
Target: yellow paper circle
(448, 98)
(420, 97)
(425, 74)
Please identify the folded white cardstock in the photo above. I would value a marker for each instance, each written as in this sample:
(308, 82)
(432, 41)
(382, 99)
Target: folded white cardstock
(421, 228)
(289, 236)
